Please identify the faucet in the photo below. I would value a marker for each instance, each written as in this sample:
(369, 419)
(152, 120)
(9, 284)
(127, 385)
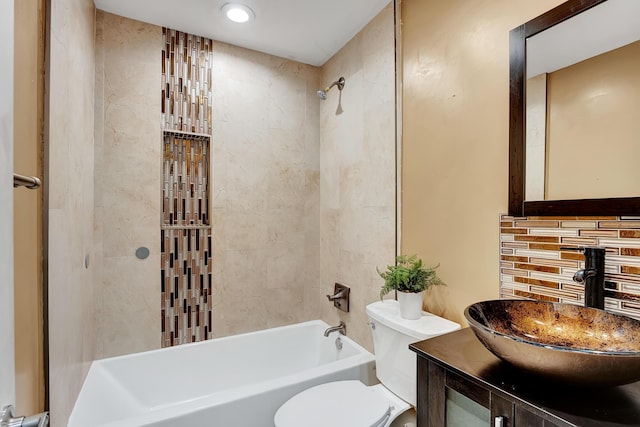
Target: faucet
(592, 275)
(342, 328)
(340, 297)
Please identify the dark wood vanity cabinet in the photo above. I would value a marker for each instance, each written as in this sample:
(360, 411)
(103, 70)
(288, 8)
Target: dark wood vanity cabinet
(437, 383)
(461, 384)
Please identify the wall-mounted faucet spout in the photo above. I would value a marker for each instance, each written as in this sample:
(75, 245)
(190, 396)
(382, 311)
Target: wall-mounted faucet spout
(592, 275)
(342, 328)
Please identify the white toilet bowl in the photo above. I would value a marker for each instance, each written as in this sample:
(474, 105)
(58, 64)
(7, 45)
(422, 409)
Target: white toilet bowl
(341, 404)
(352, 403)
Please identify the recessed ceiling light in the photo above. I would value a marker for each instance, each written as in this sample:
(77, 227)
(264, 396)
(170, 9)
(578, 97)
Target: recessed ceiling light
(237, 12)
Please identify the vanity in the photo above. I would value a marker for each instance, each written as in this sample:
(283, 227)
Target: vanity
(461, 383)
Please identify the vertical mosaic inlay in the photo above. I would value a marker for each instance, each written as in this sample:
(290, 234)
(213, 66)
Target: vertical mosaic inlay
(185, 192)
(186, 285)
(186, 240)
(186, 82)
(186, 275)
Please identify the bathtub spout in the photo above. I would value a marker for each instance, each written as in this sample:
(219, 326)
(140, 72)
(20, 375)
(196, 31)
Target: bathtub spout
(342, 328)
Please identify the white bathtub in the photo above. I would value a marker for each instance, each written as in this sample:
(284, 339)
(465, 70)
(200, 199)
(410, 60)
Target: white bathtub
(226, 382)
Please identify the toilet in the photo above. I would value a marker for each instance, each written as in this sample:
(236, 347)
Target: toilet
(354, 404)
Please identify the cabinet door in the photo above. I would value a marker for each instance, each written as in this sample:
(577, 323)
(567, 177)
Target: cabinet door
(461, 410)
(466, 403)
(446, 399)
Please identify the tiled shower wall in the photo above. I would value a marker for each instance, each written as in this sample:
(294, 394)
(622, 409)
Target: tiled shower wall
(357, 174)
(128, 170)
(69, 180)
(534, 265)
(186, 277)
(264, 170)
(265, 198)
(265, 173)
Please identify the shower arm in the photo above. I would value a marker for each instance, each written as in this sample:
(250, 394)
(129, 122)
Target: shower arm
(340, 83)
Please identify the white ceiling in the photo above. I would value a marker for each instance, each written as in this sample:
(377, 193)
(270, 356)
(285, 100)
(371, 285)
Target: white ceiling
(307, 31)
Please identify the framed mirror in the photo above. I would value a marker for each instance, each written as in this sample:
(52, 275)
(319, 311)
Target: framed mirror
(574, 125)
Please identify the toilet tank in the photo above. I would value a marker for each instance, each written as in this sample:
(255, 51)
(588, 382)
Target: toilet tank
(395, 363)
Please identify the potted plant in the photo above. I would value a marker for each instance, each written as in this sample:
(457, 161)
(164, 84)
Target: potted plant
(410, 278)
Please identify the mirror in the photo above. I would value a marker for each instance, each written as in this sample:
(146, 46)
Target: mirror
(575, 105)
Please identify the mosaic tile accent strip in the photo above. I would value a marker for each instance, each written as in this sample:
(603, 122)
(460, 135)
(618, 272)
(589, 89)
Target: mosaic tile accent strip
(185, 186)
(185, 226)
(186, 82)
(186, 285)
(186, 240)
(533, 264)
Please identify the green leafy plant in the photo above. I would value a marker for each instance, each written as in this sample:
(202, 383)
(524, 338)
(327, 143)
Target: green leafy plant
(408, 275)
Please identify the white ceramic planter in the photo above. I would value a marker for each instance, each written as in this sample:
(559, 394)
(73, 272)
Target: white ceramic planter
(410, 305)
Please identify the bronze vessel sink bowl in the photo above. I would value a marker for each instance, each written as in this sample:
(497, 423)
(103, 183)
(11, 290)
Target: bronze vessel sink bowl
(563, 342)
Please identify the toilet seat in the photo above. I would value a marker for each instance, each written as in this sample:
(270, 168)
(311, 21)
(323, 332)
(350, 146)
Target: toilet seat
(335, 404)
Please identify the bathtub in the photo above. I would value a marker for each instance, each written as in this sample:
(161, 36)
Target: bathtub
(234, 381)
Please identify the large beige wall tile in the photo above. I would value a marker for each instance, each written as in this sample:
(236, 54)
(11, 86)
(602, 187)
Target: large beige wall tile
(99, 165)
(265, 171)
(357, 172)
(243, 272)
(128, 173)
(128, 317)
(71, 72)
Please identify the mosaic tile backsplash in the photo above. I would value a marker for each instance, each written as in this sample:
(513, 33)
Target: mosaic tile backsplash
(186, 276)
(533, 264)
(186, 82)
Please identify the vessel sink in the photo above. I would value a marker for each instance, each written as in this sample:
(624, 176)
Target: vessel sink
(562, 342)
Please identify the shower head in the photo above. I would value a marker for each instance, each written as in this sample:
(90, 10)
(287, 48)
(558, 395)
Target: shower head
(322, 93)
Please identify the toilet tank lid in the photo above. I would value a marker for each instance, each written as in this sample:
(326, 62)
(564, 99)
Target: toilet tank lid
(429, 325)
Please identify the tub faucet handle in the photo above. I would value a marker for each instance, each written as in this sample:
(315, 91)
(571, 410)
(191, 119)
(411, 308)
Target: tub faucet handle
(336, 296)
(340, 297)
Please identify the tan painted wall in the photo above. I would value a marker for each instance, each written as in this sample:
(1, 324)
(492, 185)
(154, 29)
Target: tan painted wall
(455, 124)
(28, 146)
(593, 110)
